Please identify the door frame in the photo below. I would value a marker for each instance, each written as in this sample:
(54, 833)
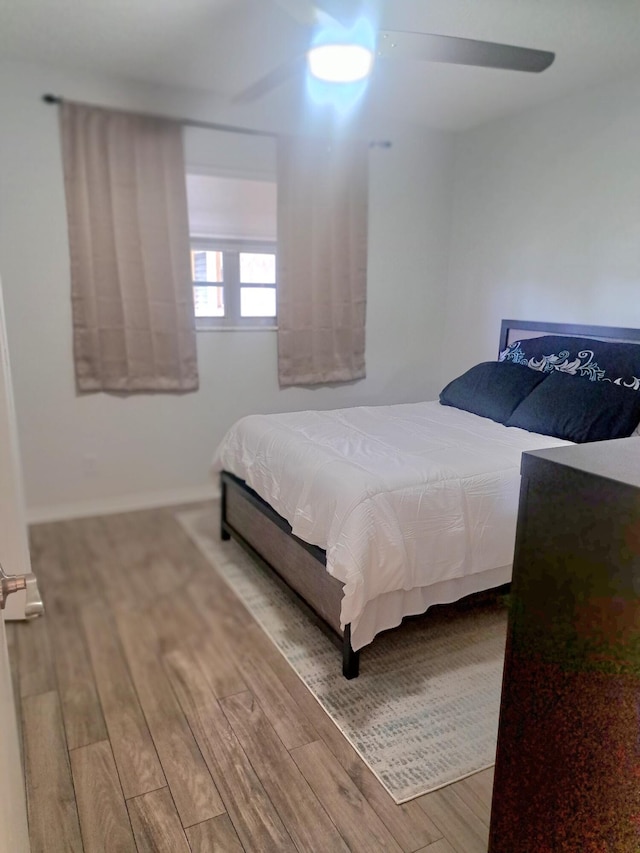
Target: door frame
(14, 556)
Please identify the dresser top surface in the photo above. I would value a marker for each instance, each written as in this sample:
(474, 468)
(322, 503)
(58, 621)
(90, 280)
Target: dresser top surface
(614, 460)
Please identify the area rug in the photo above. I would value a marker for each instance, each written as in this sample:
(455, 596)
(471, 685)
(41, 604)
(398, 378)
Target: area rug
(424, 711)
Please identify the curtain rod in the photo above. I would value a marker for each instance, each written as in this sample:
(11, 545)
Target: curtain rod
(209, 125)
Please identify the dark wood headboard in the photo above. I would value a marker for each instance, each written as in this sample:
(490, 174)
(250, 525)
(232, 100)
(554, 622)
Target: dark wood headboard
(517, 330)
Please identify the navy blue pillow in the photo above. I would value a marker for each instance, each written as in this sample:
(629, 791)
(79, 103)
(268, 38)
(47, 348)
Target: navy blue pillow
(491, 389)
(578, 409)
(596, 360)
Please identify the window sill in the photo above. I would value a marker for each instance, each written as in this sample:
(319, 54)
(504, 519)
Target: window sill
(236, 328)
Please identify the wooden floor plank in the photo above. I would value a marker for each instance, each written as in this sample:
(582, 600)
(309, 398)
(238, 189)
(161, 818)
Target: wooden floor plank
(482, 786)
(53, 572)
(35, 661)
(104, 819)
(218, 663)
(81, 710)
(75, 556)
(175, 621)
(356, 821)
(476, 791)
(464, 830)
(43, 549)
(53, 815)
(256, 821)
(408, 823)
(306, 820)
(133, 749)
(148, 575)
(214, 836)
(287, 718)
(104, 562)
(166, 538)
(156, 824)
(217, 603)
(441, 846)
(189, 780)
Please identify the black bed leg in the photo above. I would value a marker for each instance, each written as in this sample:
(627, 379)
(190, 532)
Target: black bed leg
(350, 659)
(224, 533)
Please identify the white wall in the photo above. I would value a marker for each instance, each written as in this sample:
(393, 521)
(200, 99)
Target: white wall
(546, 221)
(99, 452)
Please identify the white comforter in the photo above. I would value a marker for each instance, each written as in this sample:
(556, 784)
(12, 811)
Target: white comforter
(401, 497)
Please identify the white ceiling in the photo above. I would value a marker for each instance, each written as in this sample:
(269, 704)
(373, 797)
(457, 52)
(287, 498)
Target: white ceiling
(223, 46)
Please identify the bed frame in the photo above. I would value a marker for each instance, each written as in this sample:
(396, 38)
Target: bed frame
(268, 537)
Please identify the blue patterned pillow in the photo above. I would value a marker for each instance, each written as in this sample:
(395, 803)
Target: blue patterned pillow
(491, 389)
(577, 409)
(599, 361)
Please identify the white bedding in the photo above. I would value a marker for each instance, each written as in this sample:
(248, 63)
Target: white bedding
(414, 503)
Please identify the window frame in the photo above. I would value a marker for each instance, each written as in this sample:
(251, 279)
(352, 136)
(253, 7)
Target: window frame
(231, 284)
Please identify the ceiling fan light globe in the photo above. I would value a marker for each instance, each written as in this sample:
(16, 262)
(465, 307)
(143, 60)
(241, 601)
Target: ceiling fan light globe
(340, 63)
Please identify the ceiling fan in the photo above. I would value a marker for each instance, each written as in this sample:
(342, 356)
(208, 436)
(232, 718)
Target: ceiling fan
(339, 16)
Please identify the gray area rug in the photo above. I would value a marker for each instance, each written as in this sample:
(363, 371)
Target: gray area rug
(423, 712)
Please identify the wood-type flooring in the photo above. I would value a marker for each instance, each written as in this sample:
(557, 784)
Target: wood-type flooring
(156, 716)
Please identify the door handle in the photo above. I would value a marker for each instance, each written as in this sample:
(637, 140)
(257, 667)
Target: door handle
(14, 583)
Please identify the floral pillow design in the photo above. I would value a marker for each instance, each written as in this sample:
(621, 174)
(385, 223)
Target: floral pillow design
(577, 356)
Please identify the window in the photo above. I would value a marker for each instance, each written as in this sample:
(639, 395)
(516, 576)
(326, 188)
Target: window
(234, 284)
(233, 251)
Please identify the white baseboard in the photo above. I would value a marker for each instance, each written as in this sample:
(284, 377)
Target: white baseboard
(124, 503)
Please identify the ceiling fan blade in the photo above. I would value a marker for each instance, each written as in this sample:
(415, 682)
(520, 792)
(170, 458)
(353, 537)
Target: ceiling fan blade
(395, 44)
(309, 13)
(339, 10)
(302, 11)
(280, 74)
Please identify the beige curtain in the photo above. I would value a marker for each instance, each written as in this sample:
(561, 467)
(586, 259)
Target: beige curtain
(131, 291)
(322, 260)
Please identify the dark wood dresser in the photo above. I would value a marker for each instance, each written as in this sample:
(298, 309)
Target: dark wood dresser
(567, 777)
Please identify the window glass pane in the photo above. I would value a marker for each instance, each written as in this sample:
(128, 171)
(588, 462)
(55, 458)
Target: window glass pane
(208, 301)
(206, 265)
(258, 301)
(257, 268)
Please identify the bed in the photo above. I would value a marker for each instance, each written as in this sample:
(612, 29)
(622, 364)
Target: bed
(373, 514)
